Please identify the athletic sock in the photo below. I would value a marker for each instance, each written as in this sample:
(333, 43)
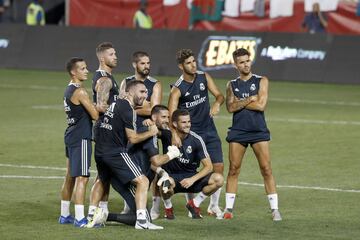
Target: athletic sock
(91, 210)
(230, 200)
(79, 212)
(199, 199)
(167, 203)
(141, 214)
(65, 208)
(214, 198)
(273, 200)
(104, 205)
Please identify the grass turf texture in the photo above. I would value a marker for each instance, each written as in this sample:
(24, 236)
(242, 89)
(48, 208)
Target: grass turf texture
(315, 130)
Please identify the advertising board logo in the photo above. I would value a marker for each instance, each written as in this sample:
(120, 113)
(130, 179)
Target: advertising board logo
(279, 53)
(216, 51)
(4, 43)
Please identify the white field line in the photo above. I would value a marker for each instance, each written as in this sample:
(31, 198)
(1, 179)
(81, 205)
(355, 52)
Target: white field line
(31, 177)
(46, 107)
(296, 100)
(291, 100)
(288, 120)
(240, 183)
(304, 121)
(36, 167)
(303, 187)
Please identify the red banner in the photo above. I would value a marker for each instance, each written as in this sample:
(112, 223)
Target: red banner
(119, 13)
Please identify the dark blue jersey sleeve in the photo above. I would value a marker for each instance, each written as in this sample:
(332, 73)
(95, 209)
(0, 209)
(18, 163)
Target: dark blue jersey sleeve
(129, 117)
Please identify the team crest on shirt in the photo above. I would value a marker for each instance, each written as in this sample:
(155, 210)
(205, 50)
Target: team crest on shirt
(202, 87)
(252, 87)
(189, 149)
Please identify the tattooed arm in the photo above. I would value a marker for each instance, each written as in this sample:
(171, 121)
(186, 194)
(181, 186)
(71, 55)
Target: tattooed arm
(102, 88)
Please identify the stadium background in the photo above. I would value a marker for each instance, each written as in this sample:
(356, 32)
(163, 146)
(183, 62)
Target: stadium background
(313, 114)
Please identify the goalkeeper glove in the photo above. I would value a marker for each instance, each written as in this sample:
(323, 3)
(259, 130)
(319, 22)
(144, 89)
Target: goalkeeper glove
(173, 152)
(164, 180)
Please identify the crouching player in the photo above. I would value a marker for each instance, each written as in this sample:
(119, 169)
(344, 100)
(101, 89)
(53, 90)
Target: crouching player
(182, 171)
(147, 157)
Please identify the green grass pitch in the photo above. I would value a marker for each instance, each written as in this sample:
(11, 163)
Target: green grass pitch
(315, 158)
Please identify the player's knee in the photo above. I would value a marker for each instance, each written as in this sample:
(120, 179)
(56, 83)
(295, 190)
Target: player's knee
(218, 179)
(142, 181)
(83, 179)
(266, 171)
(234, 170)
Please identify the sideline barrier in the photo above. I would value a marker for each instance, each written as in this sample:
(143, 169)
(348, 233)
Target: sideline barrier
(280, 56)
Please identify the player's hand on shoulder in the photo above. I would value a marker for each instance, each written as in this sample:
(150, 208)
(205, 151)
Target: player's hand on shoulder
(154, 130)
(148, 122)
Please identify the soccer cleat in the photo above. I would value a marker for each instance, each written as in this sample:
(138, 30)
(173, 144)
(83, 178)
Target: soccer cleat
(215, 211)
(227, 214)
(195, 211)
(82, 223)
(144, 224)
(154, 214)
(141, 224)
(66, 220)
(276, 216)
(98, 219)
(152, 226)
(169, 213)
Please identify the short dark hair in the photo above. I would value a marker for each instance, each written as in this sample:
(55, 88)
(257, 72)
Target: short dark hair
(104, 46)
(133, 83)
(177, 113)
(71, 64)
(157, 108)
(240, 52)
(183, 54)
(137, 55)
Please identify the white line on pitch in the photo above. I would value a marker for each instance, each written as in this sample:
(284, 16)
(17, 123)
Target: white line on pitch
(304, 121)
(304, 187)
(241, 183)
(31, 177)
(321, 102)
(36, 167)
(291, 100)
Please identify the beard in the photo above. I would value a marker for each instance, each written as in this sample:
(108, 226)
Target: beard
(144, 73)
(112, 64)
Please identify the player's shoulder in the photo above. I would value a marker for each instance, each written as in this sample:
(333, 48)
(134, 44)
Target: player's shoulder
(129, 78)
(200, 72)
(257, 76)
(196, 137)
(101, 73)
(152, 79)
(179, 81)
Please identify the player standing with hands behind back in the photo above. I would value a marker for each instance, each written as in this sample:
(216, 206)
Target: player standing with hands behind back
(246, 98)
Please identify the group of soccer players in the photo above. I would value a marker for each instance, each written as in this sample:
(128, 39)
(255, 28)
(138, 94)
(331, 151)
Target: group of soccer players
(130, 121)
